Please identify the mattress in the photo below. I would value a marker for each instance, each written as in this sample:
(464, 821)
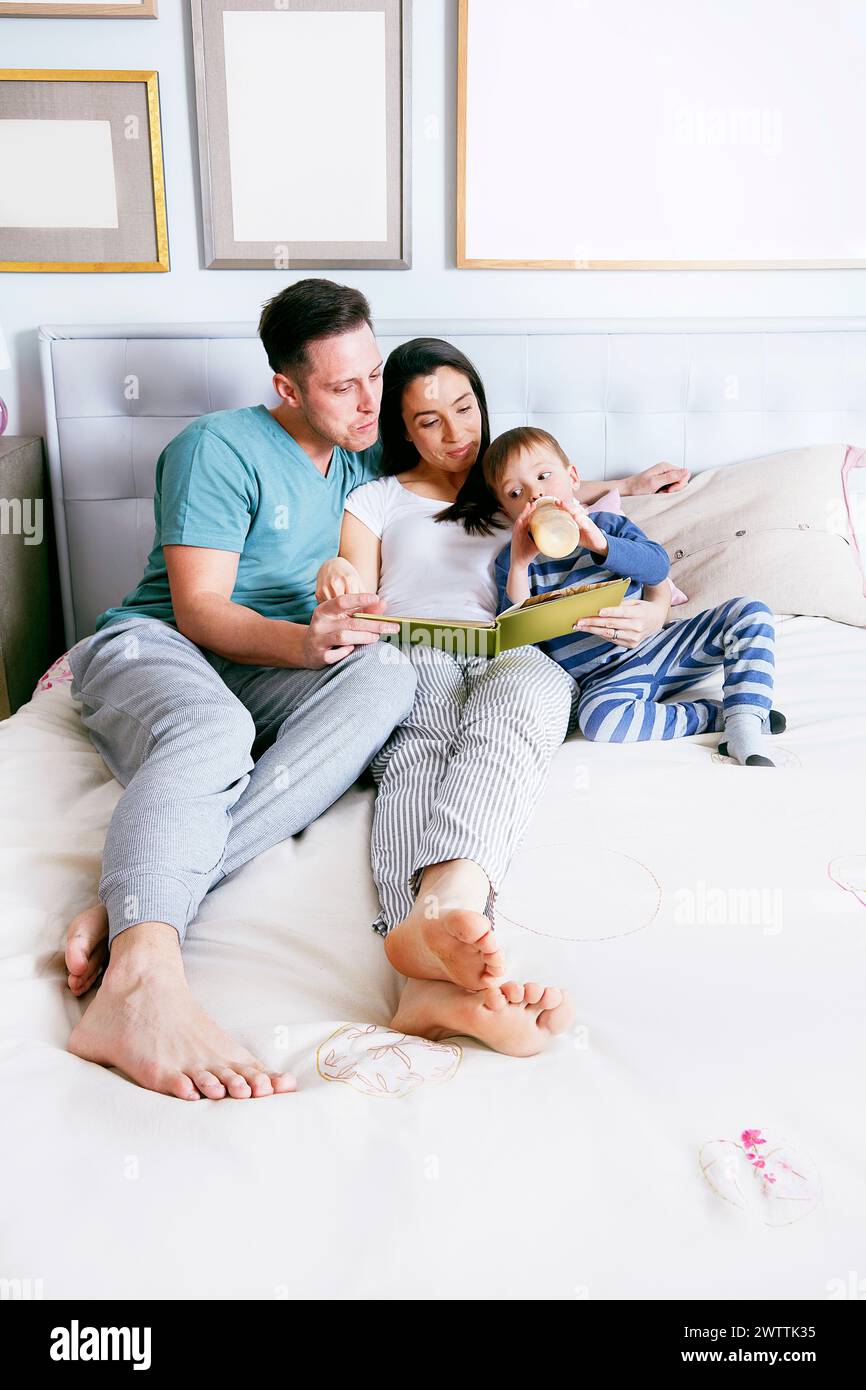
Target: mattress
(710, 921)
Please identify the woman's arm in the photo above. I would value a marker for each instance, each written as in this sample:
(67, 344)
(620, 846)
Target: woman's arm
(634, 619)
(358, 565)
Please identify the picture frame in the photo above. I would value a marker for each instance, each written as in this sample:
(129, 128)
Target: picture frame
(651, 138)
(356, 52)
(100, 204)
(80, 9)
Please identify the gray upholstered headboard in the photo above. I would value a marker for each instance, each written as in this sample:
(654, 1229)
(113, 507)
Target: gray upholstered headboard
(618, 394)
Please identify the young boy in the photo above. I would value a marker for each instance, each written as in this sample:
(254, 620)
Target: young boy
(621, 690)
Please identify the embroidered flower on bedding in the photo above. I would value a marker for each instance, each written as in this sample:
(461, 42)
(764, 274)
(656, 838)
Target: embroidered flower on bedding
(766, 1178)
(849, 872)
(58, 673)
(381, 1062)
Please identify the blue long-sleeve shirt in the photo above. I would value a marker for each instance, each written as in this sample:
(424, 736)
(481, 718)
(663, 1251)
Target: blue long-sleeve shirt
(630, 555)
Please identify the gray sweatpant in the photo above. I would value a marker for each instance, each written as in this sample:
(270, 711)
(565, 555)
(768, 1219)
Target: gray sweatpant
(180, 729)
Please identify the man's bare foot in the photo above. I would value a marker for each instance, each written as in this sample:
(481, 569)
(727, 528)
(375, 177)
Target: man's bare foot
(519, 1020)
(446, 935)
(86, 948)
(144, 1021)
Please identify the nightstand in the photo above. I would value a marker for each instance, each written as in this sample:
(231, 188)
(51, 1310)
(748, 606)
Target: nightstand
(30, 622)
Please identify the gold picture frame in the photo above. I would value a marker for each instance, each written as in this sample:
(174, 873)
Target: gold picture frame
(149, 80)
(34, 9)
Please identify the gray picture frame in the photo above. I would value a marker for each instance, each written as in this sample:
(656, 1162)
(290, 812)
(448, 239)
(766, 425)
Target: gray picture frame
(222, 250)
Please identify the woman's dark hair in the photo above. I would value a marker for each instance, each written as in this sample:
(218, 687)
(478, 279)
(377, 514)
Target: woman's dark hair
(304, 312)
(475, 505)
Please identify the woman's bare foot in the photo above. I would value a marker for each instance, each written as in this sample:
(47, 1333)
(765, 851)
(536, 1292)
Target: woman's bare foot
(446, 935)
(86, 948)
(513, 1018)
(144, 1021)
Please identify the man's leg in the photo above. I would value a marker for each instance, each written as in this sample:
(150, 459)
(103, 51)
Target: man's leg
(316, 732)
(179, 743)
(513, 721)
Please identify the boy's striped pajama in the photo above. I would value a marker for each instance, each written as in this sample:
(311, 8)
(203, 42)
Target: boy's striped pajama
(459, 778)
(621, 705)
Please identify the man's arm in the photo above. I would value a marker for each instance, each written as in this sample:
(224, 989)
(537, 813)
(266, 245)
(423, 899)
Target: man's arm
(202, 582)
(660, 476)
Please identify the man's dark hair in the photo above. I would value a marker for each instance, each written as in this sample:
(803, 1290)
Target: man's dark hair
(304, 312)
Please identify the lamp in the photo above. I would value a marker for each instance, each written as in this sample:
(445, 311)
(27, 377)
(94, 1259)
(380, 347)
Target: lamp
(5, 364)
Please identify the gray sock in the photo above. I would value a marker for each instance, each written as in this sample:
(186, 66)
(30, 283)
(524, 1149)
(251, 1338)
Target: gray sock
(744, 737)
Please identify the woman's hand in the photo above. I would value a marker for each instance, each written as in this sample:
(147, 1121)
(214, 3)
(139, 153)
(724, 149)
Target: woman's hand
(626, 625)
(661, 477)
(335, 578)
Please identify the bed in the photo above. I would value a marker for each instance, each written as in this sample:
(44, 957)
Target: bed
(710, 921)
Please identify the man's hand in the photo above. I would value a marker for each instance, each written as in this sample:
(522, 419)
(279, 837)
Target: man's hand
(632, 621)
(337, 577)
(661, 477)
(334, 632)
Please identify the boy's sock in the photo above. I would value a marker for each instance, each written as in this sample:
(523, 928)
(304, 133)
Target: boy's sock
(773, 723)
(744, 732)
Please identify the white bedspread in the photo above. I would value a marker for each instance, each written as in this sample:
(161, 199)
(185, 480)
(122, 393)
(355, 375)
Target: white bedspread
(710, 921)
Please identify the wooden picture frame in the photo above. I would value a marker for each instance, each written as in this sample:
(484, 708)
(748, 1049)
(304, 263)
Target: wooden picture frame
(86, 103)
(115, 9)
(353, 56)
(645, 143)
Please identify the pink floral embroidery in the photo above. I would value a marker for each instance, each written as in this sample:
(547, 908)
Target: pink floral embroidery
(750, 1137)
(765, 1177)
(57, 674)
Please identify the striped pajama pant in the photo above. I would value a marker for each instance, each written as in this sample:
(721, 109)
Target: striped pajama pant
(623, 705)
(459, 778)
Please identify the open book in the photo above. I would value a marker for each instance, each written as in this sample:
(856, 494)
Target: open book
(536, 620)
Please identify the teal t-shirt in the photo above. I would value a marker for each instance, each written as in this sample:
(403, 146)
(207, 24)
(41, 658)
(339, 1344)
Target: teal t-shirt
(235, 480)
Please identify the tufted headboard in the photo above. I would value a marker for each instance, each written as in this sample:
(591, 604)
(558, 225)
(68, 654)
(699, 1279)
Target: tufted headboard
(618, 394)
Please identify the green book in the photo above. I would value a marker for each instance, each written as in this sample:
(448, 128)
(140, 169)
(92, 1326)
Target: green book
(537, 620)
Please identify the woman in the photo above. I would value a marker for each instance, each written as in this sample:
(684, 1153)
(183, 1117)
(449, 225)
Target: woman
(458, 780)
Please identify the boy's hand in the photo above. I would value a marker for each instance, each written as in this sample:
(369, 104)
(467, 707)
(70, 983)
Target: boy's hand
(335, 632)
(335, 578)
(592, 538)
(523, 547)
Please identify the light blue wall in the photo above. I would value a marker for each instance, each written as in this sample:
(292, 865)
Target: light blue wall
(432, 288)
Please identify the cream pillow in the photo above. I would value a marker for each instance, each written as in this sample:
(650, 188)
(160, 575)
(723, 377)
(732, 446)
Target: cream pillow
(773, 528)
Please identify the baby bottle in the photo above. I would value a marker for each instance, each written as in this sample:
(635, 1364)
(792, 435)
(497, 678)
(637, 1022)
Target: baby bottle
(555, 531)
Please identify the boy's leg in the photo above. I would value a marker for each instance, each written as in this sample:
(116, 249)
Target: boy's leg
(749, 671)
(623, 707)
(514, 719)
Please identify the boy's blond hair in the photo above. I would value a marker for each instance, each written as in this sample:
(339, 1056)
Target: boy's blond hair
(517, 441)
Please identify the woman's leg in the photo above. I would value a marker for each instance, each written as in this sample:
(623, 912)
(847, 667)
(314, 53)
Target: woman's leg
(407, 772)
(513, 720)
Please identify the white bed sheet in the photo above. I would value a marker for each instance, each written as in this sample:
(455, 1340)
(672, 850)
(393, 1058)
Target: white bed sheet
(572, 1175)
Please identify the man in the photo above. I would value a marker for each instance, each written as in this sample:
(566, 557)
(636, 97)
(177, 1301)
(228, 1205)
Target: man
(232, 709)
